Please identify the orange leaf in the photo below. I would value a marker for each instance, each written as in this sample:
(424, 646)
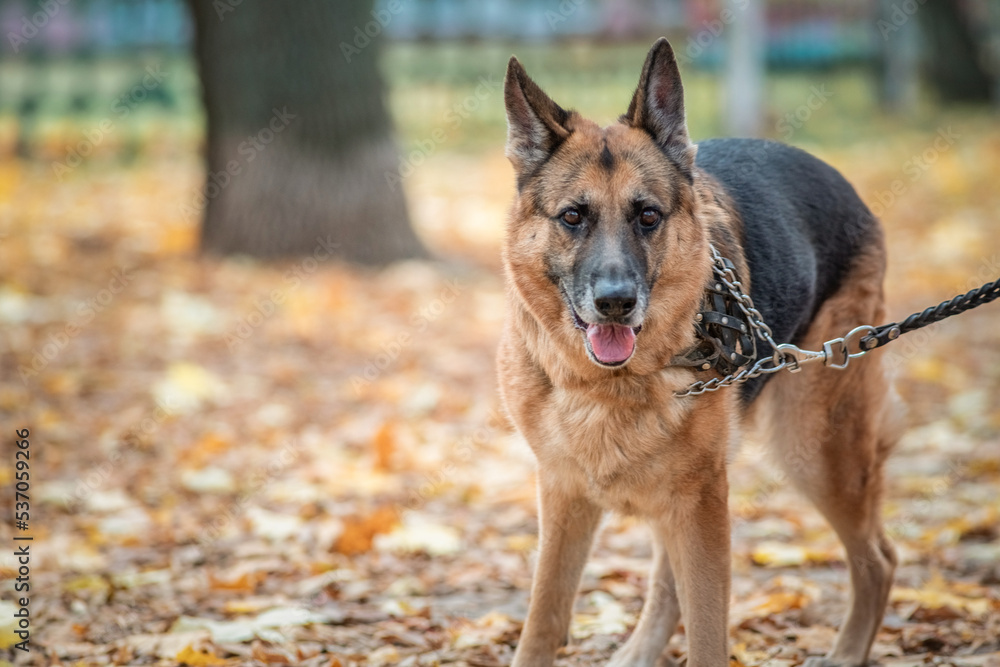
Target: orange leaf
(203, 451)
(384, 444)
(360, 532)
(245, 583)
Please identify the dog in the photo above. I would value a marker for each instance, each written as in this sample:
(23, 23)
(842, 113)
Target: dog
(608, 253)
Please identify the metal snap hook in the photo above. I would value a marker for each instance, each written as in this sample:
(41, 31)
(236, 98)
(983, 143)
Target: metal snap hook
(794, 356)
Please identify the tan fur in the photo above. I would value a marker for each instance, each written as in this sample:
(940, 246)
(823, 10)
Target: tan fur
(831, 432)
(619, 439)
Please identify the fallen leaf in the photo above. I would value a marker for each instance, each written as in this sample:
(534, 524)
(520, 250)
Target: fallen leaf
(262, 626)
(420, 536)
(359, 533)
(384, 445)
(778, 554)
(8, 624)
(244, 583)
(203, 658)
(186, 387)
(204, 451)
(212, 479)
(609, 617)
(940, 599)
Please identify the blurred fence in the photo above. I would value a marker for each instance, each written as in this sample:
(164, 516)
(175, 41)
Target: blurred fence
(801, 32)
(112, 77)
(60, 27)
(83, 79)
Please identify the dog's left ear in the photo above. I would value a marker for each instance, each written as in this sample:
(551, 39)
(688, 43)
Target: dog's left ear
(658, 106)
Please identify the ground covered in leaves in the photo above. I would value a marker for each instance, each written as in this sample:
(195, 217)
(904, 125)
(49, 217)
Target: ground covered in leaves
(303, 463)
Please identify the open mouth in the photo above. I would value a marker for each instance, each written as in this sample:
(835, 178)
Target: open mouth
(608, 344)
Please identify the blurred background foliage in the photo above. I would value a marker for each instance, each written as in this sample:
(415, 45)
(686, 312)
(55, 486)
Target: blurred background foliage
(89, 54)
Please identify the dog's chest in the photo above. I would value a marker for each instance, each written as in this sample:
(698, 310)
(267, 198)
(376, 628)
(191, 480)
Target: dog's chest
(622, 451)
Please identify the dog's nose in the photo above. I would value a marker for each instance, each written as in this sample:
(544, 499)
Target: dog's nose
(614, 298)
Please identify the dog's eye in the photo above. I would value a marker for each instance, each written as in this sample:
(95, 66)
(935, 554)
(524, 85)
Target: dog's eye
(572, 217)
(649, 218)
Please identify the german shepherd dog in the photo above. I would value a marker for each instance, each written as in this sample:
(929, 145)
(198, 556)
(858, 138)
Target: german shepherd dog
(607, 258)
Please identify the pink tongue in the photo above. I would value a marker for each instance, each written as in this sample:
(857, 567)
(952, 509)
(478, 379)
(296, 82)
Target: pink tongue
(611, 343)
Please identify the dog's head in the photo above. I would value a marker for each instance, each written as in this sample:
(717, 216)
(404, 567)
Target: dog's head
(603, 228)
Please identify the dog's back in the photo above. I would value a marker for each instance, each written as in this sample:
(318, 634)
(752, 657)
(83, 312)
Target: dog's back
(803, 226)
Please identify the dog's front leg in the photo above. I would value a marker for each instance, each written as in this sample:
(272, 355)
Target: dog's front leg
(660, 613)
(697, 541)
(567, 520)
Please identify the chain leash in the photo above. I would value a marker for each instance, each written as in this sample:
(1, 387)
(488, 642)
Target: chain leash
(836, 353)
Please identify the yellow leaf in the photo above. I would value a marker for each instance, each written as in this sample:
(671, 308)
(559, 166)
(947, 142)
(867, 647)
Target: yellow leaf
(523, 542)
(776, 603)
(938, 594)
(929, 369)
(88, 583)
(778, 554)
(186, 386)
(189, 656)
(178, 239)
(8, 624)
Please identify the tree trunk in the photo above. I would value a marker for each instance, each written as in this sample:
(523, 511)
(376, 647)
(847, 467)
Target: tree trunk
(899, 62)
(300, 153)
(955, 61)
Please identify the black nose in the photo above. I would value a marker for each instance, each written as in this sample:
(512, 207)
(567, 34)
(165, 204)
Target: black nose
(614, 298)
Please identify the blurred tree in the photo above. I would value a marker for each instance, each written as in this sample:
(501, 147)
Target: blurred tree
(300, 154)
(956, 59)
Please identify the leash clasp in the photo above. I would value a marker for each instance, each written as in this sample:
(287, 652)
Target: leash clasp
(840, 357)
(794, 356)
(836, 352)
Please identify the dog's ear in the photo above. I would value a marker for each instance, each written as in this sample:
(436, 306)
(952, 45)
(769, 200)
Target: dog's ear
(535, 124)
(658, 106)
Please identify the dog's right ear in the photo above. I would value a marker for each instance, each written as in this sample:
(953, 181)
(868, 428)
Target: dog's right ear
(535, 124)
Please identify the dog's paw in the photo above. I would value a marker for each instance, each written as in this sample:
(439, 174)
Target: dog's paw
(533, 658)
(528, 661)
(631, 656)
